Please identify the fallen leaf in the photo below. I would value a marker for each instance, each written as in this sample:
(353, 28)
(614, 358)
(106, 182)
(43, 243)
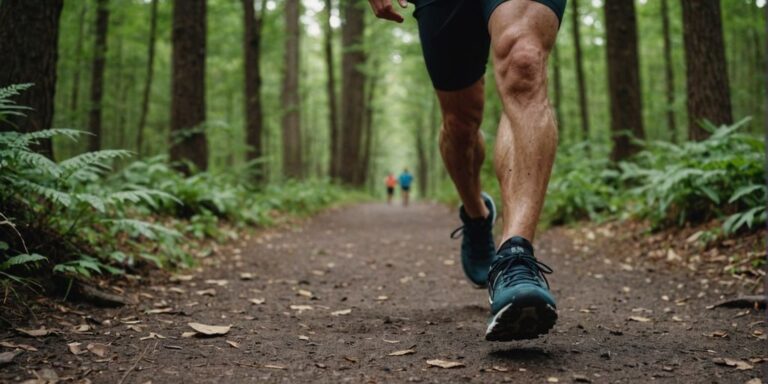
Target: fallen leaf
(720, 334)
(75, 349)
(341, 312)
(382, 298)
(159, 310)
(247, 276)
(97, 349)
(553, 380)
(391, 341)
(152, 335)
(47, 375)
(220, 283)
(81, 328)
(301, 308)
(402, 353)
(639, 319)
(206, 292)
(210, 330)
(499, 369)
(7, 357)
(350, 359)
(177, 290)
(273, 366)
(444, 363)
(187, 335)
(305, 293)
(258, 301)
(754, 381)
(672, 256)
(175, 278)
(738, 364)
(578, 378)
(302, 337)
(25, 347)
(233, 344)
(34, 332)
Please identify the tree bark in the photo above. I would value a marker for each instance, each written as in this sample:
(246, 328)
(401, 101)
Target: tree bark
(582, 86)
(352, 93)
(709, 94)
(292, 151)
(623, 77)
(254, 115)
(558, 90)
(669, 74)
(75, 95)
(362, 173)
(97, 74)
(148, 79)
(188, 141)
(333, 109)
(29, 32)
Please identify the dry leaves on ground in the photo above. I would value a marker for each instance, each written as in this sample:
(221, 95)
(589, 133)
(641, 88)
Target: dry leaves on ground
(639, 319)
(738, 364)
(100, 350)
(445, 364)
(8, 344)
(34, 332)
(7, 357)
(402, 353)
(341, 312)
(210, 330)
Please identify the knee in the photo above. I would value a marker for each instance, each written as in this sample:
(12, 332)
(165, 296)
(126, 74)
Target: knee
(520, 67)
(462, 122)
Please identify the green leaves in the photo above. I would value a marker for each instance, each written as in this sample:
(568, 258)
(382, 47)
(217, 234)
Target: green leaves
(22, 259)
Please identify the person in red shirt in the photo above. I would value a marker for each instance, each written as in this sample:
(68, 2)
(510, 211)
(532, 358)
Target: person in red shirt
(391, 183)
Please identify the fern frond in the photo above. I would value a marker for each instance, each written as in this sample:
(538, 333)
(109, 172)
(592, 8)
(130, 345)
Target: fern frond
(39, 162)
(139, 195)
(21, 260)
(143, 228)
(100, 158)
(53, 195)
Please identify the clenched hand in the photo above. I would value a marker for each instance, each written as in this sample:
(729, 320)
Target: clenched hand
(383, 9)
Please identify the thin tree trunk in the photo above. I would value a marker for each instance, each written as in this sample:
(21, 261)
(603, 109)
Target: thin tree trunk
(97, 75)
(188, 141)
(669, 74)
(368, 125)
(421, 156)
(148, 79)
(29, 32)
(582, 86)
(623, 77)
(333, 109)
(292, 151)
(353, 85)
(709, 94)
(75, 96)
(558, 90)
(254, 115)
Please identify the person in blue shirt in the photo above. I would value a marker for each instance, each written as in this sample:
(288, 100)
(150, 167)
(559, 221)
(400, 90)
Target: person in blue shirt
(405, 180)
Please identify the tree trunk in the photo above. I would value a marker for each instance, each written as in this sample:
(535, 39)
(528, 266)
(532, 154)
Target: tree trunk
(623, 78)
(709, 94)
(29, 32)
(292, 162)
(333, 109)
(188, 141)
(422, 163)
(97, 74)
(75, 96)
(254, 115)
(364, 167)
(352, 93)
(580, 72)
(669, 74)
(148, 79)
(558, 90)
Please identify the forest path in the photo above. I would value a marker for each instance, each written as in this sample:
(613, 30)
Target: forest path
(395, 276)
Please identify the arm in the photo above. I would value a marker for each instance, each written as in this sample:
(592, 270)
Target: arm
(383, 9)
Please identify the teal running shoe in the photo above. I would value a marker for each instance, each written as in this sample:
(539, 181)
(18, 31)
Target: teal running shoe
(477, 246)
(521, 305)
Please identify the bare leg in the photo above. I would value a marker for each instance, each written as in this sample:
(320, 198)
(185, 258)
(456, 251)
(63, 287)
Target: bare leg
(523, 33)
(462, 145)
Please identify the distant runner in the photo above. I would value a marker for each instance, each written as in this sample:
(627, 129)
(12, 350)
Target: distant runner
(405, 185)
(457, 37)
(391, 183)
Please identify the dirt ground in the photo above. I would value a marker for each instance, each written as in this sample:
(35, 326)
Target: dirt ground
(370, 293)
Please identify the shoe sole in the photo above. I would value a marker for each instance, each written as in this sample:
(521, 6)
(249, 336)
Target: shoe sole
(524, 323)
(493, 221)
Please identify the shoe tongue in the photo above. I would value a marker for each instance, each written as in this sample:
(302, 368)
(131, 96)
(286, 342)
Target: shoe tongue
(516, 242)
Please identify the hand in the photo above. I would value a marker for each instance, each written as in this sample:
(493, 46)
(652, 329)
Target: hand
(383, 9)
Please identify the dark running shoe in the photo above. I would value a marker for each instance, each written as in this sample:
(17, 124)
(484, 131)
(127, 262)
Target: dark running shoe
(477, 246)
(521, 305)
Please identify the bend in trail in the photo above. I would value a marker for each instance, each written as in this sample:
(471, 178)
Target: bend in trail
(370, 293)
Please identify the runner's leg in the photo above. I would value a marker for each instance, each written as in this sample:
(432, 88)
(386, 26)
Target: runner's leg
(522, 34)
(461, 144)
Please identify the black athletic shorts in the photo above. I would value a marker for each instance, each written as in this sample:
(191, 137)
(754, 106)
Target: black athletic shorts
(455, 39)
(390, 190)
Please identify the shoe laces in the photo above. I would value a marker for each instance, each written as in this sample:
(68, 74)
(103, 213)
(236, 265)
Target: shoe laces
(476, 231)
(517, 268)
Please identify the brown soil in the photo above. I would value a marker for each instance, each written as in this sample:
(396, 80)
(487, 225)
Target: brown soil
(394, 275)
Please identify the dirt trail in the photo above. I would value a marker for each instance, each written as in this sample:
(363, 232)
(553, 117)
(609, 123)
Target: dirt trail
(384, 279)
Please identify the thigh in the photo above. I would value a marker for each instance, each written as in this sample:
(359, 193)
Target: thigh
(454, 40)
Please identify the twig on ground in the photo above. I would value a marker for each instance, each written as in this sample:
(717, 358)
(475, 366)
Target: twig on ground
(135, 363)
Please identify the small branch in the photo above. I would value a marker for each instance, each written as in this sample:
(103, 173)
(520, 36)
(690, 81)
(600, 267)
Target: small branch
(135, 363)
